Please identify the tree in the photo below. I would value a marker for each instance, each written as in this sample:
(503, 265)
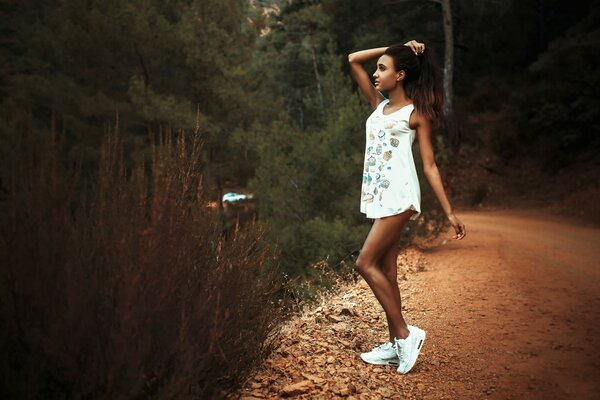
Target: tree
(155, 63)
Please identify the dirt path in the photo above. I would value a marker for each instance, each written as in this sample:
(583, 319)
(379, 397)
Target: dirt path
(511, 312)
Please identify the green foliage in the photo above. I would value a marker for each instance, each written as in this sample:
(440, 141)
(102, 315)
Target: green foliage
(309, 155)
(556, 112)
(304, 182)
(155, 63)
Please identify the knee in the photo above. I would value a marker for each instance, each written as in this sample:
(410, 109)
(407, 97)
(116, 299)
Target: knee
(363, 265)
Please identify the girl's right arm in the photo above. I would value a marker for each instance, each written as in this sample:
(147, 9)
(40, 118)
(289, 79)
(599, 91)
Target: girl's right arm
(373, 96)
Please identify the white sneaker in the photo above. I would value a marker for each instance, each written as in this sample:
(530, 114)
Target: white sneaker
(384, 354)
(408, 349)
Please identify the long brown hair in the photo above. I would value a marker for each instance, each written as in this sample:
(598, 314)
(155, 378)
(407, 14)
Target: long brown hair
(422, 83)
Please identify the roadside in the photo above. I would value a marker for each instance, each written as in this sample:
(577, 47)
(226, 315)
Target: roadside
(510, 312)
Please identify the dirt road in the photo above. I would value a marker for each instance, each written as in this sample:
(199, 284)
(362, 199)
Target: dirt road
(511, 312)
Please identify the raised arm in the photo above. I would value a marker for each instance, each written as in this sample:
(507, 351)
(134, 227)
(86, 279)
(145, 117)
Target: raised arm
(356, 60)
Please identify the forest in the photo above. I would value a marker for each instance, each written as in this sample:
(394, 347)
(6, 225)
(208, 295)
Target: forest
(124, 123)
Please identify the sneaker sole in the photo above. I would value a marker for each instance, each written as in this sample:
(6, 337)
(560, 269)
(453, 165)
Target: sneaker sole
(379, 361)
(420, 333)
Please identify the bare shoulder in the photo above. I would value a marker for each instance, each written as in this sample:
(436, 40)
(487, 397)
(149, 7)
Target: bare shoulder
(418, 120)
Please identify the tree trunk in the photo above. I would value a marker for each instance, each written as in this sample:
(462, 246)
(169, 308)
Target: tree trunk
(313, 52)
(452, 131)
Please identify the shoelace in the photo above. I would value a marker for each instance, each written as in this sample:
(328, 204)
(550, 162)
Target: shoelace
(383, 346)
(397, 348)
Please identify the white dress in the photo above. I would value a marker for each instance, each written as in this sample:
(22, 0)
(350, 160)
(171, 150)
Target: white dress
(390, 183)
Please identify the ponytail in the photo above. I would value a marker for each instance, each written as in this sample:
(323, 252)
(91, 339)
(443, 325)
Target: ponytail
(422, 83)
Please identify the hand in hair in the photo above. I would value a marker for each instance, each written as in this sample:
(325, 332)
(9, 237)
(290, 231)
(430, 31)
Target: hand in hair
(417, 47)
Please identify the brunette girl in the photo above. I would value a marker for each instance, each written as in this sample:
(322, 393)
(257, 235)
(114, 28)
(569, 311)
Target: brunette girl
(390, 193)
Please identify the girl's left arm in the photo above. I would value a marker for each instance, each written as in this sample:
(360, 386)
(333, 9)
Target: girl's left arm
(433, 174)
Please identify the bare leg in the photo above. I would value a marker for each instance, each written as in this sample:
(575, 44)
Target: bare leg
(390, 270)
(384, 235)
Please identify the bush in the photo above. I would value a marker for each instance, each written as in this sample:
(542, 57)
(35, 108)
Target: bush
(553, 114)
(123, 285)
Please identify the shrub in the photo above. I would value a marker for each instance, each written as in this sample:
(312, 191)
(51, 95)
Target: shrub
(122, 285)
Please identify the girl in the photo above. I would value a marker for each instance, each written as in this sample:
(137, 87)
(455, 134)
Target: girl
(390, 187)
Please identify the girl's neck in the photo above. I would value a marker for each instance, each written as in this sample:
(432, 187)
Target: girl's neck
(398, 97)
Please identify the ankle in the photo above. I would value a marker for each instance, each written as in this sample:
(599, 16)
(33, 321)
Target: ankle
(403, 334)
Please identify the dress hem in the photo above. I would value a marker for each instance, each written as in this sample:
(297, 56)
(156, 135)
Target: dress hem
(411, 207)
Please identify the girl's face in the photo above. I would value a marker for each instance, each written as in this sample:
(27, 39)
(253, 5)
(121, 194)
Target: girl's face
(386, 78)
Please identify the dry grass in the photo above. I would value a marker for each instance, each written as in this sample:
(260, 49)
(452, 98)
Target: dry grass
(123, 285)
